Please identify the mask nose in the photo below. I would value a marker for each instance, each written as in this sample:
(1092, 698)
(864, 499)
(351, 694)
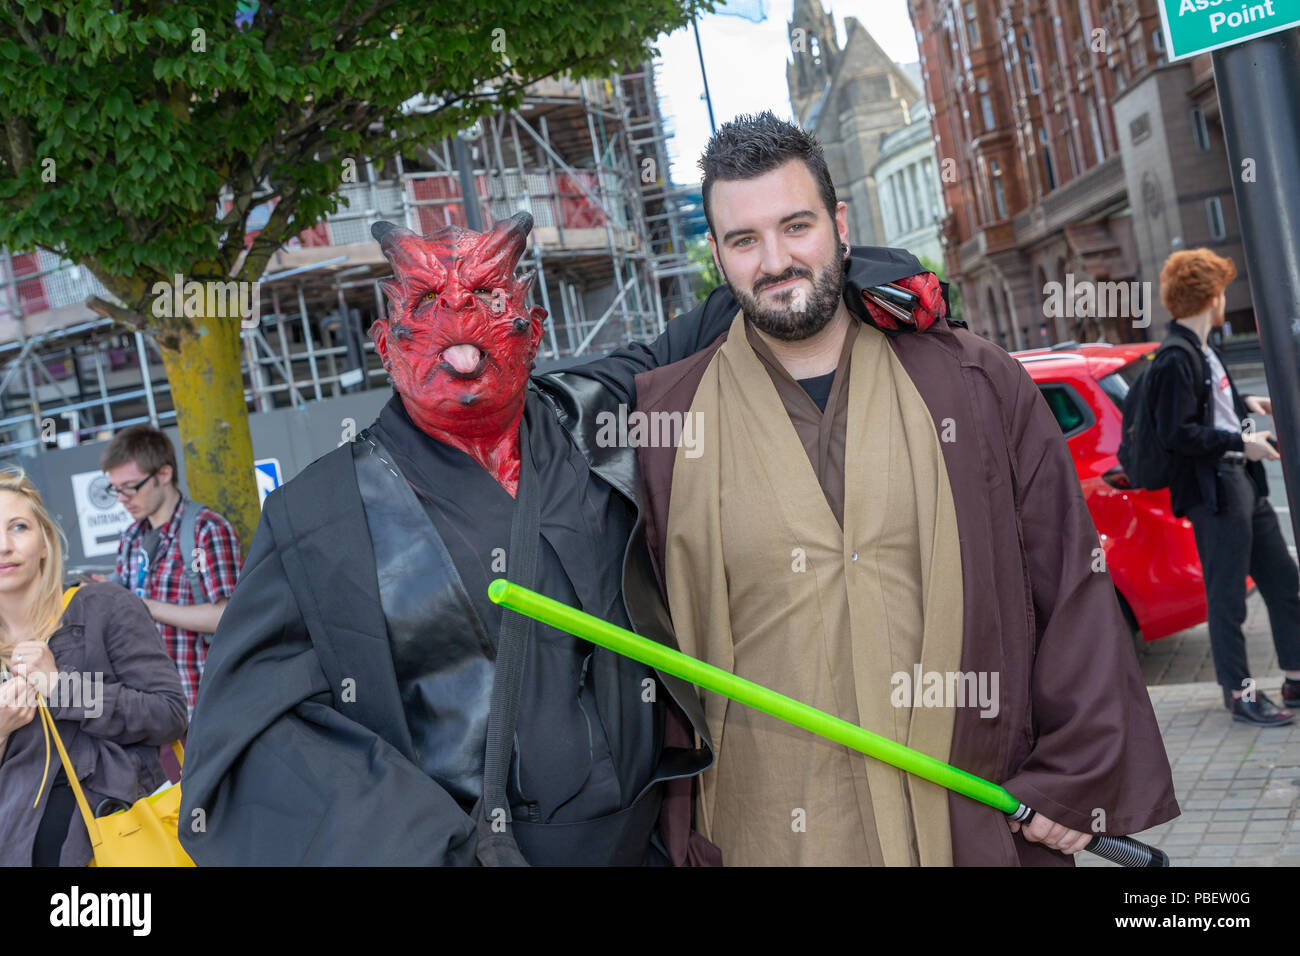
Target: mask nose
(455, 297)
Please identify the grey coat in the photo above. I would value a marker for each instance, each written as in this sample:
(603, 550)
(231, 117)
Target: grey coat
(112, 734)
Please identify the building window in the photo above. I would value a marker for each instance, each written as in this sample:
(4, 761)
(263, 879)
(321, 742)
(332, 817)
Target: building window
(904, 213)
(1049, 168)
(982, 190)
(986, 104)
(972, 26)
(1097, 143)
(999, 196)
(1158, 40)
(887, 214)
(1214, 214)
(918, 204)
(927, 173)
(1026, 42)
(1031, 71)
(1200, 131)
(1137, 51)
(894, 203)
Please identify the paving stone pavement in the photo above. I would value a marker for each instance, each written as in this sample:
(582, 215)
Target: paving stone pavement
(1238, 785)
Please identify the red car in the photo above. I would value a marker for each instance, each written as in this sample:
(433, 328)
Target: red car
(1151, 555)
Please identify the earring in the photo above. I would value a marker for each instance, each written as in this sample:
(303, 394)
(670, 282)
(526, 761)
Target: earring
(845, 247)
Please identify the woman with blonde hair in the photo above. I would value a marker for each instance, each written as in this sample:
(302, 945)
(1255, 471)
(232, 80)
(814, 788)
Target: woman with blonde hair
(113, 692)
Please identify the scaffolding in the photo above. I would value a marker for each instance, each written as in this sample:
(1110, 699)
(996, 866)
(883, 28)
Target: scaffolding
(587, 159)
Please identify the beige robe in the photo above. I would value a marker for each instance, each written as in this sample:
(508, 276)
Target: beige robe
(763, 581)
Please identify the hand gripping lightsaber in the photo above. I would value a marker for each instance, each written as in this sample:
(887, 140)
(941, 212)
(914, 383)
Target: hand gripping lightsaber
(1118, 849)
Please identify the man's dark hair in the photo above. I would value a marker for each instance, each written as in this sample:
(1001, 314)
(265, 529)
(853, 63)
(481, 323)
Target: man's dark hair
(149, 448)
(750, 146)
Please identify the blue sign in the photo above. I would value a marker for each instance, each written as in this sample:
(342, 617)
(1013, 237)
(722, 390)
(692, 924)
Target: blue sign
(267, 473)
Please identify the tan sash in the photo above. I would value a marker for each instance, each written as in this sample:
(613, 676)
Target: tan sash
(763, 582)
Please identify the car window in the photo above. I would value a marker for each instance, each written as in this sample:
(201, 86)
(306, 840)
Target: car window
(1117, 383)
(1069, 411)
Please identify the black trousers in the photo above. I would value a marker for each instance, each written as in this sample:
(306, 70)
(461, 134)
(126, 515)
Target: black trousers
(60, 805)
(1244, 538)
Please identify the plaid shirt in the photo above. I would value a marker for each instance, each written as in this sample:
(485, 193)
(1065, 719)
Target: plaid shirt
(165, 580)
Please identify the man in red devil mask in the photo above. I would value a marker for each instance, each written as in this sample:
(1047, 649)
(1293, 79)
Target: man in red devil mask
(364, 702)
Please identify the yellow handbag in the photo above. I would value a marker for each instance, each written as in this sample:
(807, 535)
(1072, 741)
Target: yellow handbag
(144, 834)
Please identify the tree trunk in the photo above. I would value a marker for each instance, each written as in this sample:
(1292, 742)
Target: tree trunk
(207, 387)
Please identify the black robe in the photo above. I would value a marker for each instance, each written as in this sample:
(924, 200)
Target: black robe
(300, 750)
(588, 739)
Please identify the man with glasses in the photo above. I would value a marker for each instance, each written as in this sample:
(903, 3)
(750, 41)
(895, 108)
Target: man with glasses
(185, 593)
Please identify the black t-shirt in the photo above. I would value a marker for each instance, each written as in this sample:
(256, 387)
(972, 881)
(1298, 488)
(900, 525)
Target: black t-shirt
(152, 536)
(818, 388)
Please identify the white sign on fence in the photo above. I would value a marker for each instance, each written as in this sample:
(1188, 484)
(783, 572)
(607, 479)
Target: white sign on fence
(100, 516)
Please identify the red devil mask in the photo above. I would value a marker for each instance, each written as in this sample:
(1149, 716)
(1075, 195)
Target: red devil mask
(459, 341)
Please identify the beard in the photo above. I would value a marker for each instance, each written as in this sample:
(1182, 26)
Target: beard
(799, 315)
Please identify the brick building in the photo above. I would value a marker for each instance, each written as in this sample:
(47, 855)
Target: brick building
(1071, 152)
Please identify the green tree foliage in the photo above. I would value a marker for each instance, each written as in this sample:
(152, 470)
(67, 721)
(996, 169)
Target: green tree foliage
(136, 136)
(708, 277)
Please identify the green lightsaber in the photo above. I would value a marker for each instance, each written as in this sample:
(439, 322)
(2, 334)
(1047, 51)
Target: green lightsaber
(1123, 850)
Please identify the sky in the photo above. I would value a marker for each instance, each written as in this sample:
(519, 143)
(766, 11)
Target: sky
(746, 68)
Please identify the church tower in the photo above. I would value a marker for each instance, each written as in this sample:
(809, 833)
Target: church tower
(850, 97)
(815, 54)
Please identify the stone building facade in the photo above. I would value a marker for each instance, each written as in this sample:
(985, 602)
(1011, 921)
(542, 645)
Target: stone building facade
(907, 185)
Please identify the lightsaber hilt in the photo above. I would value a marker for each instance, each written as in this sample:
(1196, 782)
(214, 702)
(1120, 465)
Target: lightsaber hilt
(1123, 850)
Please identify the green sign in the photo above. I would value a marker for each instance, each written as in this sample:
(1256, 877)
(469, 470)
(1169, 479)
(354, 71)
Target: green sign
(1197, 26)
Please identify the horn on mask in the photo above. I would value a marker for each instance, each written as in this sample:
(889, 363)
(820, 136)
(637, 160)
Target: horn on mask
(505, 242)
(386, 233)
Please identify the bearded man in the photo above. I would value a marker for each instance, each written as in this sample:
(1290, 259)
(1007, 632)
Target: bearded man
(357, 706)
(883, 521)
